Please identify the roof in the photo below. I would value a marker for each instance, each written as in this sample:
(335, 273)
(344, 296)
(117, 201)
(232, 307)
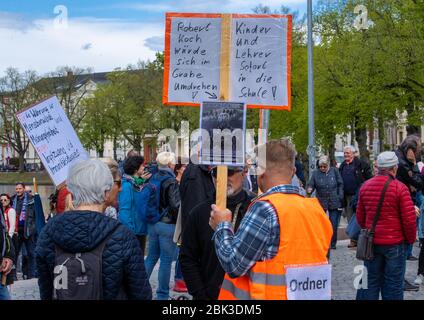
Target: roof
(77, 81)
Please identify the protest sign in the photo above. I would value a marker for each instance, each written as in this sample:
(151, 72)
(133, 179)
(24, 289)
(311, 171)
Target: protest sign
(223, 127)
(259, 54)
(192, 58)
(53, 137)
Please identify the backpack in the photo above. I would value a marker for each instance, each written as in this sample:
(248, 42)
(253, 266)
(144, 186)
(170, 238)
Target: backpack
(78, 276)
(149, 199)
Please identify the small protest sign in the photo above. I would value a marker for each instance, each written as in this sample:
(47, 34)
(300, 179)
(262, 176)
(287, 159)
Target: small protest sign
(53, 137)
(223, 129)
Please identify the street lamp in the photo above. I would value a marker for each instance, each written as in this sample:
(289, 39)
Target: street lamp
(311, 112)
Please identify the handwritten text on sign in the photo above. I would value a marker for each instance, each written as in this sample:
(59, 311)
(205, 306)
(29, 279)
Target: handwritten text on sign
(53, 136)
(194, 54)
(259, 61)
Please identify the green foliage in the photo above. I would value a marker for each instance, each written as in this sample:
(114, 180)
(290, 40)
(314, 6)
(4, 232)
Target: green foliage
(130, 106)
(363, 79)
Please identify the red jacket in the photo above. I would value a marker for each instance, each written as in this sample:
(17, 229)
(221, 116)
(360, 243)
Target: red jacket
(397, 222)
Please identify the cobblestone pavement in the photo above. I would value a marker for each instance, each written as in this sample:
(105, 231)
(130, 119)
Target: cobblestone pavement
(343, 275)
(342, 259)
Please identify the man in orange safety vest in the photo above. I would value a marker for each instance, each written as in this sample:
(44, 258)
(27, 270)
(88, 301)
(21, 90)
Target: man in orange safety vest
(280, 249)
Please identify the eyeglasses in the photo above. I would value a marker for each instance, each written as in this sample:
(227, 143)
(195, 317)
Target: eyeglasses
(118, 182)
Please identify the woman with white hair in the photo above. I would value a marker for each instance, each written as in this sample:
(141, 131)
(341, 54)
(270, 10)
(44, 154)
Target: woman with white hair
(161, 233)
(103, 259)
(329, 189)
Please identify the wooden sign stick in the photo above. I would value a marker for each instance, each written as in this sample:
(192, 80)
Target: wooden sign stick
(34, 182)
(224, 86)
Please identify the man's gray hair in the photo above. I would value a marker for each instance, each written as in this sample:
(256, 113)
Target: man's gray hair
(351, 148)
(88, 181)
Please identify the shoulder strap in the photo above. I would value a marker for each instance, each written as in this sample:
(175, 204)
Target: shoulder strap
(380, 204)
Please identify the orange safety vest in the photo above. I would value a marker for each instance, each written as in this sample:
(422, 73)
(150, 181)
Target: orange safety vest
(305, 235)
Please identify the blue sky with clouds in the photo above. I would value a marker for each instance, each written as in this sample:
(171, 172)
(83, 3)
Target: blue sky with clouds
(101, 34)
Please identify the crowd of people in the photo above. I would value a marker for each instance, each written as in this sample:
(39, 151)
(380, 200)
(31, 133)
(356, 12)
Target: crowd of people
(113, 223)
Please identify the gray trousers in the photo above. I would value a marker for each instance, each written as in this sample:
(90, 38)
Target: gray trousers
(348, 211)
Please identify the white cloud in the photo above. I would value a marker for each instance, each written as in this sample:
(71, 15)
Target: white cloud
(102, 44)
(43, 48)
(155, 43)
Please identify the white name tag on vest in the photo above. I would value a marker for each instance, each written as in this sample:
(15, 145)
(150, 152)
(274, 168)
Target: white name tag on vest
(309, 282)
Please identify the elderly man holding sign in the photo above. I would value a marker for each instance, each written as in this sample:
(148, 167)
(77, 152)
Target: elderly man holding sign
(280, 249)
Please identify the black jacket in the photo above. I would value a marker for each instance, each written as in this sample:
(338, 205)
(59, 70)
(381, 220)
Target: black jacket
(200, 266)
(408, 173)
(7, 249)
(82, 231)
(169, 197)
(29, 225)
(196, 186)
(299, 171)
(362, 170)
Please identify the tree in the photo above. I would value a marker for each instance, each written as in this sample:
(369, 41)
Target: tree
(71, 85)
(292, 124)
(96, 126)
(16, 93)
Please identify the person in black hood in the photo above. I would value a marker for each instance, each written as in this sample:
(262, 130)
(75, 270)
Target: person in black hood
(408, 171)
(409, 174)
(199, 264)
(86, 229)
(196, 186)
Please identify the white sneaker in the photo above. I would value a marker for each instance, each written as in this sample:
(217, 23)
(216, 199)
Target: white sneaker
(419, 280)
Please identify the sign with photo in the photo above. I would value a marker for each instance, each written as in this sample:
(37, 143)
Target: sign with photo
(223, 133)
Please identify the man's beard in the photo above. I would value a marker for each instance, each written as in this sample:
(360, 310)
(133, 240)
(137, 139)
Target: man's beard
(232, 192)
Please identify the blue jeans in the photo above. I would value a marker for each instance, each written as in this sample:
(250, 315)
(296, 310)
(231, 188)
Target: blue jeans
(4, 292)
(335, 220)
(386, 273)
(28, 256)
(161, 245)
(409, 249)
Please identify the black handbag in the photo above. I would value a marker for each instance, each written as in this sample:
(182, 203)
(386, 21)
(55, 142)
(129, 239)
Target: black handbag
(365, 246)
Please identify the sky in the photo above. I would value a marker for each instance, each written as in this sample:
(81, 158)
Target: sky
(103, 35)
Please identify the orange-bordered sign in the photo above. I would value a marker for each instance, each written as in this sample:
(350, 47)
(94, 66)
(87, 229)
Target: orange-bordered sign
(260, 59)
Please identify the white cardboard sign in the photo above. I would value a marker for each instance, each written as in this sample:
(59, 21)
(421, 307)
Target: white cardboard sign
(194, 52)
(309, 282)
(259, 59)
(53, 137)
